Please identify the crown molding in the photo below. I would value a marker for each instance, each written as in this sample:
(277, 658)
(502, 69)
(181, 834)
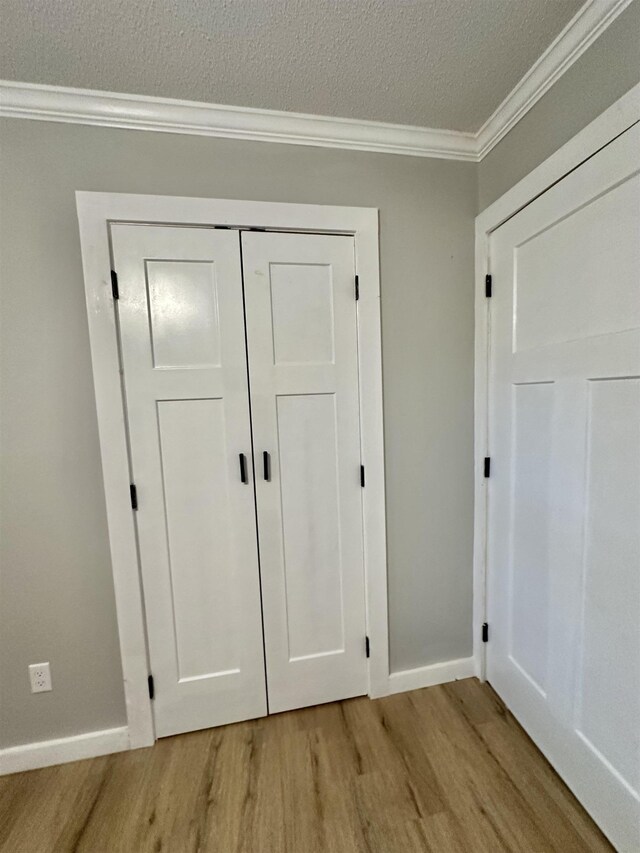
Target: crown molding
(167, 115)
(590, 21)
(111, 109)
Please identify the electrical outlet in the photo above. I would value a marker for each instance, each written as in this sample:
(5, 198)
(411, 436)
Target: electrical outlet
(40, 677)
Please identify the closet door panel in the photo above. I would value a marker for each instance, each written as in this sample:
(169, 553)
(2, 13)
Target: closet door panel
(312, 562)
(302, 347)
(185, 378)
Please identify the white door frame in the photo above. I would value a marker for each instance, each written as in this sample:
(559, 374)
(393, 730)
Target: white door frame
(622, 115)
(95, 213)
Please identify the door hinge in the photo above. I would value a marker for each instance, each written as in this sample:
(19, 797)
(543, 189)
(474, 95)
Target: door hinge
(488, 283)
(487, 466)
(134, 496)
(485, 632)
(152, 690)
(367, 647)
(362, 476)
(357, 283)
(114, 285)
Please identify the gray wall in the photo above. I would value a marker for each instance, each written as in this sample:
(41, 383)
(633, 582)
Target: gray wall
(608, 69)
(57, 600)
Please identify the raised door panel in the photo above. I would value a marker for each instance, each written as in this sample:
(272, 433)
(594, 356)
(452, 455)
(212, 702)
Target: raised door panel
(559, 273)
(607, 701)
(531, 520)
(182, 333)
(184, 318)
(312, 558)
(302, 346)
(194, 453)
(302, 313)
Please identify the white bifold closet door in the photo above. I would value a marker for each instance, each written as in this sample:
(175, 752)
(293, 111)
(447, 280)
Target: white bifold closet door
(564, 492)
(185, 374)
(303, 364)
(204, 547)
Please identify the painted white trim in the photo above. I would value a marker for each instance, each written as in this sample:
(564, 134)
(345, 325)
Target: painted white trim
(616, 119)
(30, 756)
(590, 21)
(623, 114)
(429, 676)
(95, 211)
(169, 115)
(103, 341)
(138, 112)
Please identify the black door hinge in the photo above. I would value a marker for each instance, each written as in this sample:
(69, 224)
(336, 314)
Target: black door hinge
(114, 285)
(362, 476)
(485, 632)
(367, 647)
(134, 496)
(152, 690)
(488, 282)
(357, 288)
(487, 466)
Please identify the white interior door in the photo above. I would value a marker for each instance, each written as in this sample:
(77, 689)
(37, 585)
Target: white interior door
(302, 344)
(564, 491)
(183, 349)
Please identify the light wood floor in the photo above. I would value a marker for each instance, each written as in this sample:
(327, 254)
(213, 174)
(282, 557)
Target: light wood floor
(442, 769)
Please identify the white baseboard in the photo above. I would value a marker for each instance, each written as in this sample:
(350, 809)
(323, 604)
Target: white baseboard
(30, 756)
(429, 676)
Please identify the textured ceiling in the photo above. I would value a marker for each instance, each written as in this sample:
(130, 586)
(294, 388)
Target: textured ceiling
(436, 63)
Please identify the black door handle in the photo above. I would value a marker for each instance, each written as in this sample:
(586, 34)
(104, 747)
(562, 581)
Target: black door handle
(243, 468)
(266, 464)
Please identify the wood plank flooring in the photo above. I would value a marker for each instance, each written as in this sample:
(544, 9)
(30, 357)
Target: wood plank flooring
(441, 769)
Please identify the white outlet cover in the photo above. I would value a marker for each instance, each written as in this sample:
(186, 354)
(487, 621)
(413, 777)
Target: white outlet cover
(40, 677)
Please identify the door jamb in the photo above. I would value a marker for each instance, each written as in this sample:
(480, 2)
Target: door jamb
(619, 117)
(96, 212)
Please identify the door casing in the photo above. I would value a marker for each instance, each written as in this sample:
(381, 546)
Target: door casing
(96, 212)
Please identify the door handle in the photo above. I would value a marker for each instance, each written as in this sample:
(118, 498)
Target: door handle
(266, 465)
(243, 468)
